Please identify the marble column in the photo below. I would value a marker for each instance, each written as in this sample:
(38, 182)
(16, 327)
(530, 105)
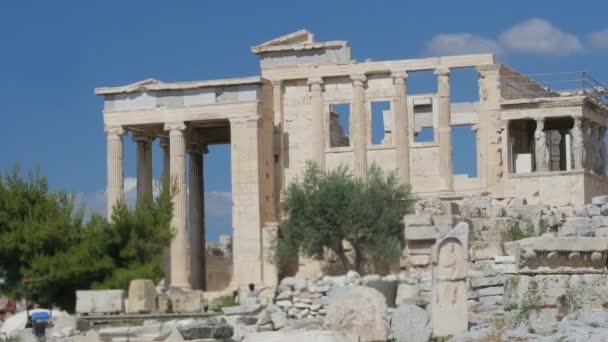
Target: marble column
(179, 244)
(400, 126)
(444, 130)
(578, 144)
(198, 273)
(541, 151)
(318, 122)
(164, 145)
(359, 126)
(115, 172)
(144, 165)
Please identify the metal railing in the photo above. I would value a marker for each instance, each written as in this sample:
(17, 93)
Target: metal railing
(553, 85)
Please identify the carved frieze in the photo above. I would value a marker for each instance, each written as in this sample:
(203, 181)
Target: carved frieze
(546, 255)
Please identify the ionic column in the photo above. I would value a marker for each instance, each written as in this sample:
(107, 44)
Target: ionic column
(318, 123)
(578, 144)
(359, 127)
(144, 165)
(541, 151)
(197, 219)
(164, 145)
(179, 244)
(444, 130)
(400, 122)
(115, 172)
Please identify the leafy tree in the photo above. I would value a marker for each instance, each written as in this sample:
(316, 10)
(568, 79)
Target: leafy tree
(323, 209)
(135, 240)
(43, 236)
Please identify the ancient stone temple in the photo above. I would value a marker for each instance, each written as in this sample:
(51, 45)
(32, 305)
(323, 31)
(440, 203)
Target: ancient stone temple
(312, 101)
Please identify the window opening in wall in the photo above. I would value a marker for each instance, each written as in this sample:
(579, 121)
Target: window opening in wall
(423, 120)
(464, 85)
(464, 150)
(339, 124)
(382, 122)
(421, 82)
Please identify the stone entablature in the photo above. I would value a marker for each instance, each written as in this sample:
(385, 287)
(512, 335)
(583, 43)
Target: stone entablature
(570, 255)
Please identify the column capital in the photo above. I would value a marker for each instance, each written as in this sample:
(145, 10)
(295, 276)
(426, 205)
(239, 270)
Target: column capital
(358, 80)
(276, 83)
(399, 77)
(114, 130)
(140, 136)
(445, 72)
(175, 126)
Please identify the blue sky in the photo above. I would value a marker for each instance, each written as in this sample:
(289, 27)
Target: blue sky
(54, 53)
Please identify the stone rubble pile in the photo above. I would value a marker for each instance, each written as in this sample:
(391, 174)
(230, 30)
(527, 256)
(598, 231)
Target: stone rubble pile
(486, 287)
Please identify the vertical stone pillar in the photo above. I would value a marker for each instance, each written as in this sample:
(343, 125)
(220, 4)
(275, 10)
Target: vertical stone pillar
(179, 244)
(164, 145)
(144, 165)
(198, 269)
(318, 122)
(446, 181)
(247, 201)
(400, 126)
(578, 144)
(541, 151)
(450, 259)
(115, 172)
(490, 149)
(359, 126)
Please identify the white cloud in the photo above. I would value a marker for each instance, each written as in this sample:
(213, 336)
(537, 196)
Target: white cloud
(446, 44)
(539, 36)
(598, 40)
(536, 36)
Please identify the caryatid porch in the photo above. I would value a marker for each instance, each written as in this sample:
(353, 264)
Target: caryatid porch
(185, 118)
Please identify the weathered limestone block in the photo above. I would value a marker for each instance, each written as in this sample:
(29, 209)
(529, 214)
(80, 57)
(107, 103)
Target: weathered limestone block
(100, 301)
(444, 223)
(487, 281)
(599, 200)
(409, 323)
(449, 291)
(142, 296)
(361, 312)
(562, 255)
(485, 250)
(406, 293)
(576, 226)
(490, 291)
(418, 220)
(593, 210)
(211, 328)
(301, 336)
(164, 303)
(183, 301)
